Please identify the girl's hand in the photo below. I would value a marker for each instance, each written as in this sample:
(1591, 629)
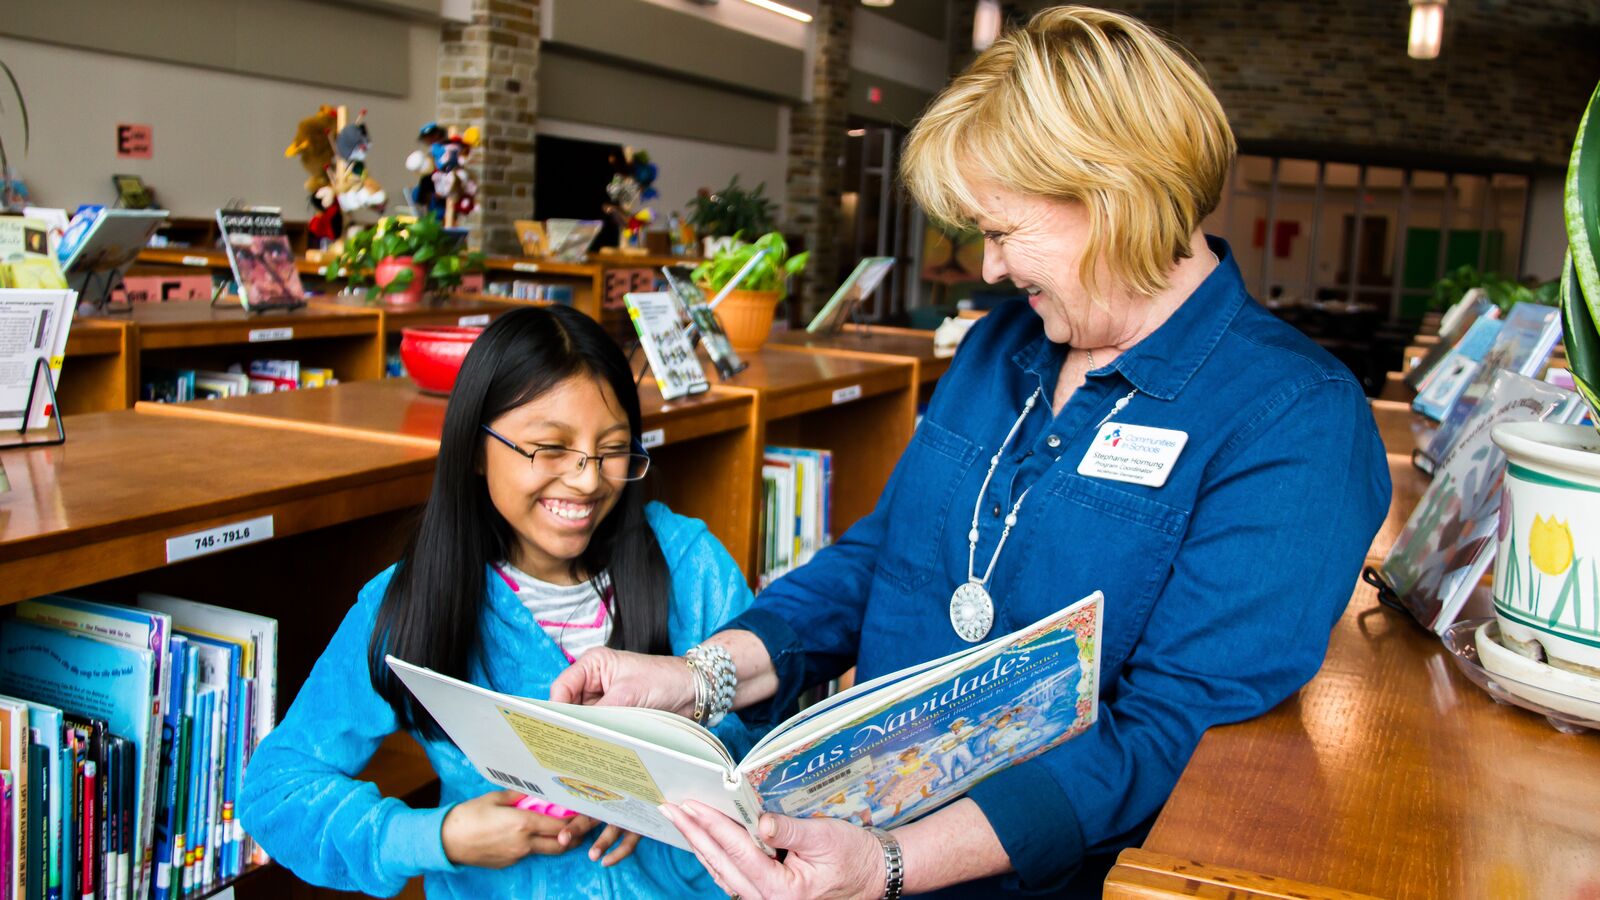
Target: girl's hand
(606, 677)
(827, 857)
(490, 831)
(622, 850)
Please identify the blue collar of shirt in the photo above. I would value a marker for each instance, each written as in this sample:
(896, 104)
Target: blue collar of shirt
(1162, 363)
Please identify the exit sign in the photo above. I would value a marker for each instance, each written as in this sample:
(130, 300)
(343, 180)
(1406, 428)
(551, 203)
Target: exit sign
(874, 95)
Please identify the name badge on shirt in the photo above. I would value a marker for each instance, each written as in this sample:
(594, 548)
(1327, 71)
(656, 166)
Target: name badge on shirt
(1137, 454)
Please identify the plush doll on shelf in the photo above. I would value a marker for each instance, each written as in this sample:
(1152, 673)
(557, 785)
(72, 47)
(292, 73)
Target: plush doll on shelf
(334, 151)
(420, 163)
(631, 186)
(444, 186)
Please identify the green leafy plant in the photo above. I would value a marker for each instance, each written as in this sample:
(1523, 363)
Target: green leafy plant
(770, 274)
(5, 161)
(1580, 280)
(1502, 292)
(424, 240)
(732, 210)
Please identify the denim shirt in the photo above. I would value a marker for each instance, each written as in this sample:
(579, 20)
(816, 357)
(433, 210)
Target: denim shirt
(1221, 585)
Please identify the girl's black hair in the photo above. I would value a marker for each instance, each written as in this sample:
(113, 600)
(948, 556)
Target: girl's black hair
(430, 613)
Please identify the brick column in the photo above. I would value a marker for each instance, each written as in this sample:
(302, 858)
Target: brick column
(487, 69)
(815, 180)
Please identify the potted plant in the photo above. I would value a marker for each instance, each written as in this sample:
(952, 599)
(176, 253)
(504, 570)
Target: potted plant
(10, 195)
(746, 312)
(720, 217)
(403, 257)
(1501, 291)
(1547, 596)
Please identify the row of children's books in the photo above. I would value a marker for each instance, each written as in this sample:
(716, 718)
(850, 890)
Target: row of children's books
(522, 289)
(263, 376)
(124, 733)
(798, 504)
(1485, 364)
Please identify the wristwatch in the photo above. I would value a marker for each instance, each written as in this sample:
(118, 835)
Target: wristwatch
(894, 868)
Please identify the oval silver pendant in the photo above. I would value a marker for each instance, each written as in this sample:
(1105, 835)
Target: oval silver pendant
(971, 612)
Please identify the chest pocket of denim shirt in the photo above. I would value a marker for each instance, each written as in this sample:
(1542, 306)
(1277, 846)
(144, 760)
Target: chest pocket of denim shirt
(1091, 535)
(932, 468)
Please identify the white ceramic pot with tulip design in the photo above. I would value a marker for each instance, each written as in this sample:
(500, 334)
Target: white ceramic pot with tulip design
(1547, 568)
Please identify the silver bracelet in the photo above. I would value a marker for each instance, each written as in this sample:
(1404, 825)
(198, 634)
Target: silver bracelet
(715, 665)
(894, 864)
(702, 691)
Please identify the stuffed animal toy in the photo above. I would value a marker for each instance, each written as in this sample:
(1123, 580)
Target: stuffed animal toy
(450, 189)
(336, 157)
(311, 144)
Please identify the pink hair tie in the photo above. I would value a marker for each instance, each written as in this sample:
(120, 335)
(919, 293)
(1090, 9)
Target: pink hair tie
(544, 807)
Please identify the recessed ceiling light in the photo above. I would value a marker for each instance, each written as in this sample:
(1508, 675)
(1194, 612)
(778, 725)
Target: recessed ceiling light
(781, 10)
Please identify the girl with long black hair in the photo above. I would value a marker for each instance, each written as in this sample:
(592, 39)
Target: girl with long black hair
(535, 546)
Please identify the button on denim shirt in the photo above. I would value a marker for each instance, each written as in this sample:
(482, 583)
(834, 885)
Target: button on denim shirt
(1221, 586)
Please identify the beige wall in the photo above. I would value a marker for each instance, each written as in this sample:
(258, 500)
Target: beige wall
(217, 135)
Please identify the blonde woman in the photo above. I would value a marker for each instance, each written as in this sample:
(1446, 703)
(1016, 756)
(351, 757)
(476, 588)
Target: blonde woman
(1087, 151)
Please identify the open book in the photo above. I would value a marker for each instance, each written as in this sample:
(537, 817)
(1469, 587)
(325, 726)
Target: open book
(881, 753)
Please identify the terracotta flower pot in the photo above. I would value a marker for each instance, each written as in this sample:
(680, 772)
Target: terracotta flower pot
(410, 295)
(747, 317)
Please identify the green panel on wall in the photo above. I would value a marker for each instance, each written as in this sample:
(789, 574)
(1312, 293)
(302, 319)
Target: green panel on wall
(582, 89)
(661, 38)
(898, 102)
(1420, 271)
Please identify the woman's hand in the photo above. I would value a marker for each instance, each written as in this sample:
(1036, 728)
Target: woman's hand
(490, 831)
(606, 677)
(622, 850)
(827, 857)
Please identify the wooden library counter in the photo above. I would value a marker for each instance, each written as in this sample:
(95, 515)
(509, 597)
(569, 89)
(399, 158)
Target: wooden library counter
(875, 341)
(109, 502)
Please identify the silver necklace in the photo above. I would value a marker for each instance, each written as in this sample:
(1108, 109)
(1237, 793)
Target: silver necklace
(971, 607)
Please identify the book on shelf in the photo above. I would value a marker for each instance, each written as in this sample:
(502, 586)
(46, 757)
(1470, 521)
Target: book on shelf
(1522, 345)
(856, 288)
(797, 493)
(882, 753)
(15, 748)
(1456, 370)
(568, 240)
(539, 291)
(1449, 540)
(1453, 326)
(34, 325)
(152, 713)
(702, 321)
(263, 263)
(667, 350)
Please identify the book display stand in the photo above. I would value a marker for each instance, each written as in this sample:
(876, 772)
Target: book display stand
(41, 373)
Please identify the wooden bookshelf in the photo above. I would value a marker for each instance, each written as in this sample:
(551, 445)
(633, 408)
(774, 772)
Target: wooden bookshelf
(101, 369)
(875, 342)
(588, 280)
(164, 260)
(704, 449)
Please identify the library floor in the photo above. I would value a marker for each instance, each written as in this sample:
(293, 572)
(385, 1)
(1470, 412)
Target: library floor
(1389, 775)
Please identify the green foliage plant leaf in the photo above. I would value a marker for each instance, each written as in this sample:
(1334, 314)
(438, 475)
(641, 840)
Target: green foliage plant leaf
(1582, 206)
(1581, 338)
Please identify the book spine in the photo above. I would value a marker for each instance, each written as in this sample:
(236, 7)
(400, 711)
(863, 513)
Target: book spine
(235, 759)
(38, 819)
(90, 810)
(166, 834)
(131, 853)
(111, 808)
(7, 857)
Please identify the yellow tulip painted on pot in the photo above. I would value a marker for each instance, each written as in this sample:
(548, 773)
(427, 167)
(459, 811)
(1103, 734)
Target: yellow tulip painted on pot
(1550, 545)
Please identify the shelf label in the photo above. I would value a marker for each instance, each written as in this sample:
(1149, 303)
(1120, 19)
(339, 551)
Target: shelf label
(234, 534)
(524, 267)
(196, 261)
(846, 394)
(653, 438)
(259, 335)
(469, 321)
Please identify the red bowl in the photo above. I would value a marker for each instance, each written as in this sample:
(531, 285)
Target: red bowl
(432, 355)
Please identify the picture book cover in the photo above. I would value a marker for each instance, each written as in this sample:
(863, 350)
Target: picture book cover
(884, 752)
(568, 240)
(263, 262)
(34, 325)
(25, 257)
(1456, 370)
(100, 242)
(706, 326)
(672, 359)
(87, 676)
(857, 287)
(1474, 305)
(1449, 541)
(1523, 345)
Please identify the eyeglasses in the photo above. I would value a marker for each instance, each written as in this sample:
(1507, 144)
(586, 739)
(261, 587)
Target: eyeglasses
(553, 461)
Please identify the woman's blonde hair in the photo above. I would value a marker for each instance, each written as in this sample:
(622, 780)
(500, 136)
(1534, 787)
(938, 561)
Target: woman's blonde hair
(1088, 106)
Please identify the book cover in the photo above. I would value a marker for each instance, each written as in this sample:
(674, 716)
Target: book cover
(25, 257)
(672, 359)
(91, 677)
(706, 327)
(34, 325)
(48, 729)
(1523, 346)
(1449, 540)
(886, 751)
(857, 287)
(103, 243)
(1474, 305)
(569, 239)
(15, 744)
(263, 263)
(1456, 370)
